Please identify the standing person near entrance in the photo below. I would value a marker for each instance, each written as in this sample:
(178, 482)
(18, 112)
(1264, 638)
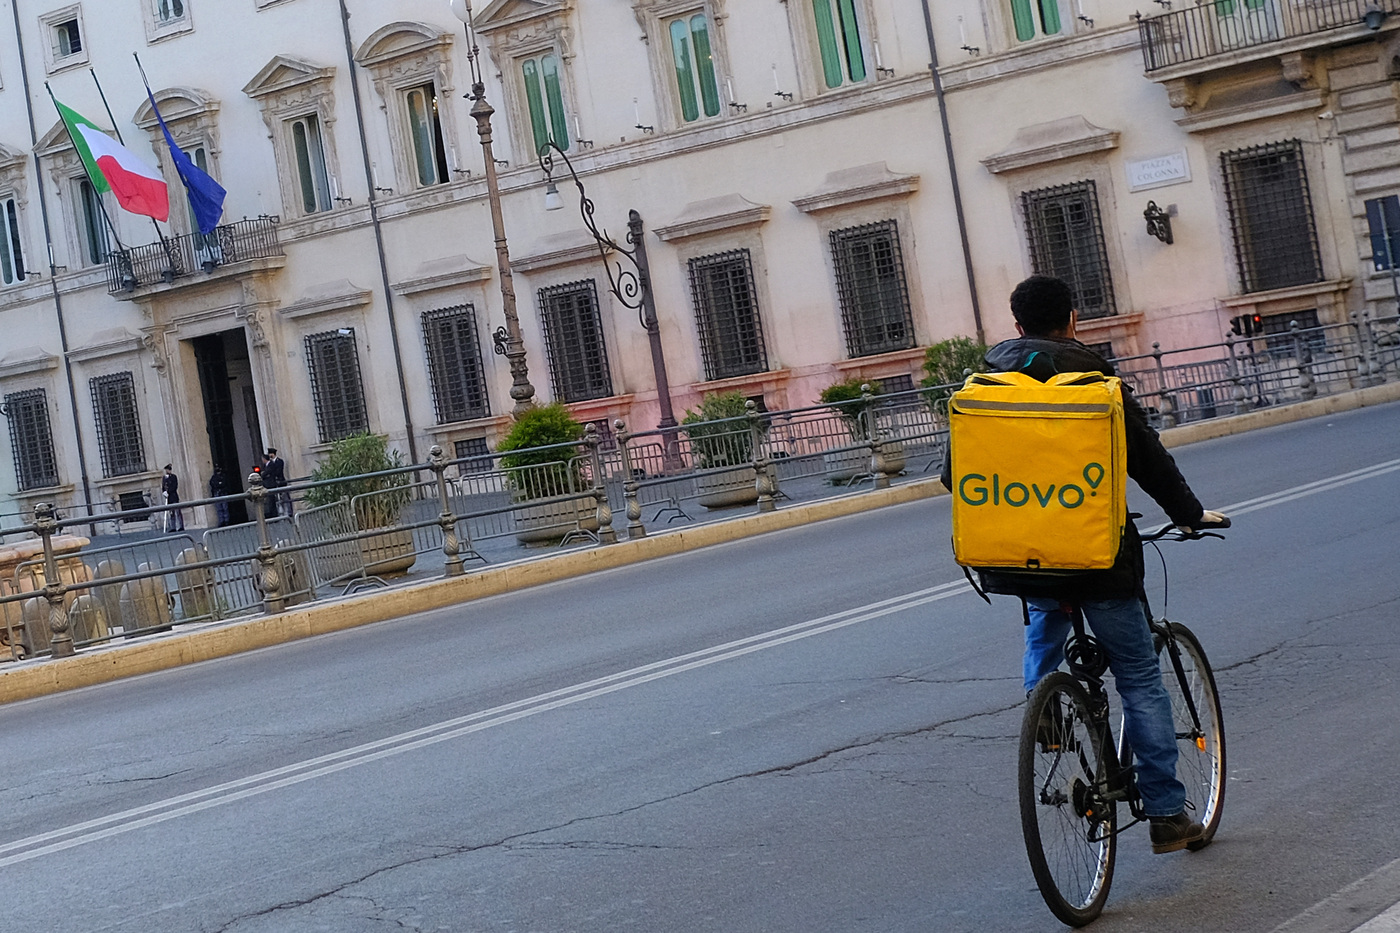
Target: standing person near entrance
(275, 477)
(218, 486)
(1111, 599)
(170, 495)
(270, 500)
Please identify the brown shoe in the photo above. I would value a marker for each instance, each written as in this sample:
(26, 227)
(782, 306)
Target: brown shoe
(1174, 833)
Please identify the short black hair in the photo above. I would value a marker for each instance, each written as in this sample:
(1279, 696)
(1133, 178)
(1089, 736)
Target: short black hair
(1042, 304)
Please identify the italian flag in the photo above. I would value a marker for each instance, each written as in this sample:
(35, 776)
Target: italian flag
(111, 166)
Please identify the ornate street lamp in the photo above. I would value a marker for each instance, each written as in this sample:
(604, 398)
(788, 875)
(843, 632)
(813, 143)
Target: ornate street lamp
(632, 287)
(507, 339)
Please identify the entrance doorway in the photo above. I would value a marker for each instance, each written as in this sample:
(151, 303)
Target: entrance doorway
(230, 409)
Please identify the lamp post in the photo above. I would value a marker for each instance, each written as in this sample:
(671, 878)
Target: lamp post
(631, 286)
(507, 339)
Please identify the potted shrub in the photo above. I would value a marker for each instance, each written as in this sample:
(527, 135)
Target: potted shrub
(726, 447)
(342, 476)
(545, 474)
(946, 363)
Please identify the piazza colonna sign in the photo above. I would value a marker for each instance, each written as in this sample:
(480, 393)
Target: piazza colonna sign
(1158, 172)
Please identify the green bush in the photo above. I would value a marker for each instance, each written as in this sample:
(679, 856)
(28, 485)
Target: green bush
(947, 362)
(846, 399)
(353, 457)
(542, 426)
(719, 445)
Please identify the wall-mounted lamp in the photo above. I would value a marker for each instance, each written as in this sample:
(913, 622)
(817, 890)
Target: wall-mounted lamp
(1159, 222)
(553, 201)
(1373, 17)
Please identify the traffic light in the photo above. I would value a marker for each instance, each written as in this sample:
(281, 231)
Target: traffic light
(1247, 325)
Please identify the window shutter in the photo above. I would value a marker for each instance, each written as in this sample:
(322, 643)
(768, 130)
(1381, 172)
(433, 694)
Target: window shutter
(826, 39)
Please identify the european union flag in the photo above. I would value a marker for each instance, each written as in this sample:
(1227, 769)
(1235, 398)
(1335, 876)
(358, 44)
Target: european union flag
(206, 195)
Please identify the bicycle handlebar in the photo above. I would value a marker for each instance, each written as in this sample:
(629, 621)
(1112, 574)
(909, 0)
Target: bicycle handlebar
(1175, 533)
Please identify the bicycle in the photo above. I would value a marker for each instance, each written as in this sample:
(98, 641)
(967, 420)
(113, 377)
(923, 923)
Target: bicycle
(1070, 786)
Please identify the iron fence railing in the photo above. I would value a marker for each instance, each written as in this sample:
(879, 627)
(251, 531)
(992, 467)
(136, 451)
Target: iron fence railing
(177, 257)
(1214, 27)
(58, 594)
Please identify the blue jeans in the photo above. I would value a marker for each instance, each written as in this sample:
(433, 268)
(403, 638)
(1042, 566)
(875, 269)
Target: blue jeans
(1120, 625)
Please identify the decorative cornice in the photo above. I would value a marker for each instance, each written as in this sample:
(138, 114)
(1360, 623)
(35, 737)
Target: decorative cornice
(175, 103)
(1050, 142)
(1311, 290)
(442, 274)
(283, 73)
(398, 40)
(856, 185)
(113, 342)
(342, 295)
(561, 249)
(1211, 119)
(729, 212)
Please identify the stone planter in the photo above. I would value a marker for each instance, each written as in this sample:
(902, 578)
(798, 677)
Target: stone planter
(895, 458)
(842, 466)
(726, 489)
(389, 553)
(551, 521)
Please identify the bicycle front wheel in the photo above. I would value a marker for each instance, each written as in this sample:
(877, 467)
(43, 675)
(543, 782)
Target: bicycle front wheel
(1070, 830)
(1200, 762)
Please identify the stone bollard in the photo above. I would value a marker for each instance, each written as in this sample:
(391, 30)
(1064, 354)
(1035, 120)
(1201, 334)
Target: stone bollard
(35, 614)
(87, 619)
(145, 604)
(1307, 386)
(606, 533)
(267, 577)
(60, 641)
(630, 486)
(451, 547)
(765, 480)
(195, 588)
(110, 594)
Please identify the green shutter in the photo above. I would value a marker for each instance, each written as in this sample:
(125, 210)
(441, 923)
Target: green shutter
(826, 39)
(705, 64)
(685, 74)
(1050, 16)
(9, 237)
(850, 30)
(303, 154)
(554, 97)
(1224, 8)
(421, 131)
(539, 124)
(1021, 16)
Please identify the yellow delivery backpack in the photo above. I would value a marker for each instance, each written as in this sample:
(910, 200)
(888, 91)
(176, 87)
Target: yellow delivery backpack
(1039, 471)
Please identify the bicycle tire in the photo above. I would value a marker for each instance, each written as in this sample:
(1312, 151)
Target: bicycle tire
(1070, 832)
(1200, 763)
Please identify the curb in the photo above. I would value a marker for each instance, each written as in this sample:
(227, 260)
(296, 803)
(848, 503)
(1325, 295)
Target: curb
(29, 679)
(217, 640)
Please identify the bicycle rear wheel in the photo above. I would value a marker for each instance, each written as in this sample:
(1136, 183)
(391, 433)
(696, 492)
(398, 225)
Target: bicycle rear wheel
(1069, 829)
(1200, 763)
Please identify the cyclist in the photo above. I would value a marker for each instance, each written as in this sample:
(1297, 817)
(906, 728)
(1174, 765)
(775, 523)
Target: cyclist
(1111, 600)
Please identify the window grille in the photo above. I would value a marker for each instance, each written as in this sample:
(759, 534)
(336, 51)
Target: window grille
(726, 314)
(1104, 350)
(1266, 188)
(1278, 331)
(476, 454)
(118, 424)
(573, 341)
(31, 439)
(1065, 233)
(334, 365)
(454, 364)
(873, 289)
(11, 254)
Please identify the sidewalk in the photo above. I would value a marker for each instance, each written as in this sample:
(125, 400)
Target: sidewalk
(204, 641)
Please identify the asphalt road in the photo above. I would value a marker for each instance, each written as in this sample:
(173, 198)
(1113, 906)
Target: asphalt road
(811, 730)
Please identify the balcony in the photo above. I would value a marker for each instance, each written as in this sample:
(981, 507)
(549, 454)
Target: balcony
(1245, 30)
(183, 256)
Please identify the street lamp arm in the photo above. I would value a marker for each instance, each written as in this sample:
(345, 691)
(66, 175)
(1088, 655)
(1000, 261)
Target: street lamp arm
(628, 285)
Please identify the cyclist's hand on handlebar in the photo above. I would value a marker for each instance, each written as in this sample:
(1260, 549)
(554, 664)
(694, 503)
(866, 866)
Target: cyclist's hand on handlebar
(1209, 521)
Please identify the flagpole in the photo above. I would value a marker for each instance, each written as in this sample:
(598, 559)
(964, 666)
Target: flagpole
(165, 243)
(101, 204)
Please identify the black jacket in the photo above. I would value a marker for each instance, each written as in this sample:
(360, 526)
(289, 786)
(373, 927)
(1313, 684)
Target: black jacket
(1149, 465)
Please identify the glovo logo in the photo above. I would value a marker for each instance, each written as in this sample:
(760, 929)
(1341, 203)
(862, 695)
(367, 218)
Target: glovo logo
(973, 490)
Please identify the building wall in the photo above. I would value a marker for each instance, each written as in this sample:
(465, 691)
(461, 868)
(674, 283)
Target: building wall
(767, 173)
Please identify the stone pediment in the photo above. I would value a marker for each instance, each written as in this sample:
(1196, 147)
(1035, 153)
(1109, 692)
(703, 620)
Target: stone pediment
(9, 157)
(1050, 142)
(397, 40)
(283, 73)
(55, 140)
(714, 214)
(506, 13)
(339, 295)
(557, 249)
(175, 103)
(111, 342)
(445, 273)
(855, 185)
(26, 360)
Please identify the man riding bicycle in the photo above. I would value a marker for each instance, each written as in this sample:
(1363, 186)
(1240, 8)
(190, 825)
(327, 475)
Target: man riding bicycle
(1111, 600)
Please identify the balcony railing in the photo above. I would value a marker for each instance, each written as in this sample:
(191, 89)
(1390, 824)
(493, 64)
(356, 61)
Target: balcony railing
(181, 256)
(1216, 27)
